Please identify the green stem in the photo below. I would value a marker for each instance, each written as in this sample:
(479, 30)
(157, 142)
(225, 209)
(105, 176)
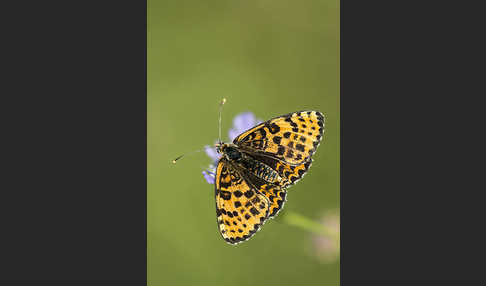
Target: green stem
(307, 224)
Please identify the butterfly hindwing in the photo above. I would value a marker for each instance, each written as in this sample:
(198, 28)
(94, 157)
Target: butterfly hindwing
(276, 192)
(273, 191)
(240, 209)
(292, 138)
(291, 174)
(276, 196)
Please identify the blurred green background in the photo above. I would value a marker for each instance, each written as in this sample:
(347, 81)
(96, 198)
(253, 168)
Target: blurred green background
(268, 57)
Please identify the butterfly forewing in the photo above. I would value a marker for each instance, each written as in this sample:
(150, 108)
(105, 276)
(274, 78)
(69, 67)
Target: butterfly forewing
(292, 138)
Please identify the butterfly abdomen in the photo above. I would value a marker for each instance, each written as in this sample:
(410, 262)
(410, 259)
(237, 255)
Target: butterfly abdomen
(260, 169)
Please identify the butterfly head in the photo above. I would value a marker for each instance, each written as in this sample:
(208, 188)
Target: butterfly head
(228, 150)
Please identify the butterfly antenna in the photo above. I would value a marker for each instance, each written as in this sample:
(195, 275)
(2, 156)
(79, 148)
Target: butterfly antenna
(183, 155)
(219, 122)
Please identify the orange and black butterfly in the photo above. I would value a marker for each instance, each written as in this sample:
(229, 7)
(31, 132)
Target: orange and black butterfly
(254, 171)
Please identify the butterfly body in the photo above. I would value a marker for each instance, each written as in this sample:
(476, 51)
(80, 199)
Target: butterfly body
(255, 170)
(244, 160)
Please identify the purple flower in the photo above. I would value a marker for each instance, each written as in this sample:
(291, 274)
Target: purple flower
(209, 176)
(211, 152)
(241, 123)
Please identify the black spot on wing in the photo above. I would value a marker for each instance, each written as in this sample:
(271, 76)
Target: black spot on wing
(224, 184)
(249, 193)
(277, 139)
(273, 128)
(300, 147)
(290, 153)
(263, 133)
(225, 195)
(254, 211)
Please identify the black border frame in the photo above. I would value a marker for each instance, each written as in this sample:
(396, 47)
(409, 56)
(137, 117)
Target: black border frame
(76, 136)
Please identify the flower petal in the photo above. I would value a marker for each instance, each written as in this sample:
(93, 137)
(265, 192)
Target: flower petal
(211, 152)
(244, 121)
(241, 123)
(208, 176)
(232, 133)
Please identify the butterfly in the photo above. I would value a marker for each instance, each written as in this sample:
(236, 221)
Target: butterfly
(255, 170)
